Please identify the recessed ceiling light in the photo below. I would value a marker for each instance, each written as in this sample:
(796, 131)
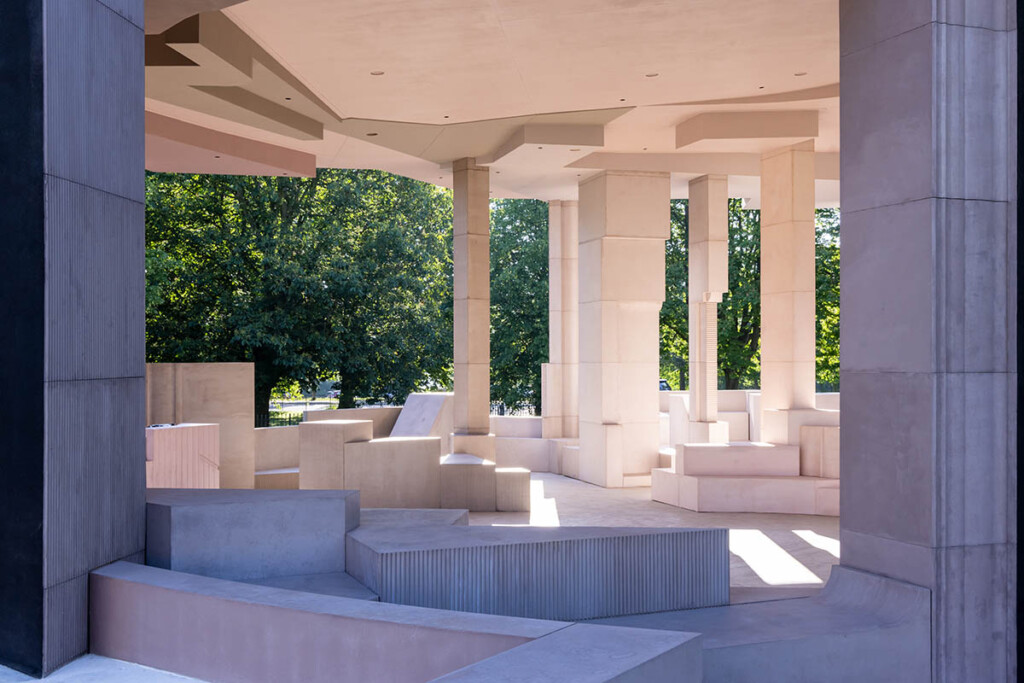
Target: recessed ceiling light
(801, 73)
(574, 149)
(622, 99)
(286, 173)
(446, 116)
(370, 135)
(760, 87)
(540, 148)
(497, 171)
(376, 73)
(653, 75)
(288, 98)
(216, 156)
(645, 149)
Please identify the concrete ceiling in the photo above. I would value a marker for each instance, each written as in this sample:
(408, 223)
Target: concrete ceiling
(544, 91)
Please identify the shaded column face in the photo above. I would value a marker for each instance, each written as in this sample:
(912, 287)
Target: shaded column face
(72, 293)
(623, 225)
(560, 373)
(787, 285)
(472, 317)
(709, 280)
(929, 315)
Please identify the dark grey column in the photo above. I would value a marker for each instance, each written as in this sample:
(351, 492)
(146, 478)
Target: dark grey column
(72, 444)
(929, 364)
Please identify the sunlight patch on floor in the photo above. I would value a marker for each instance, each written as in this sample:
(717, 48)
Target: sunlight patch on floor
(543, 511)
(768, 559)
(829, 545)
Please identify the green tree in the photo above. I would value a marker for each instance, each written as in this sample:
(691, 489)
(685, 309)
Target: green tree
(739, 314)
(346, 274)
(826, 257)
(519, 300)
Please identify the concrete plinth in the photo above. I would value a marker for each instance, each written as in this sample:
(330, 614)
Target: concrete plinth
(468, 482)
(240, 534)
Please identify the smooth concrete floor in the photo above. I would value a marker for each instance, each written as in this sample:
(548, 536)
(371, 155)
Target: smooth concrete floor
(772, 556)
(96, 669)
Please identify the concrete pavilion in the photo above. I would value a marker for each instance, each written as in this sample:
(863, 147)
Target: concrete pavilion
(607, 110)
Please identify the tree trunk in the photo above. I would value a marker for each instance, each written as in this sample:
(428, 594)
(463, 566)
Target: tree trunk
(262, 404)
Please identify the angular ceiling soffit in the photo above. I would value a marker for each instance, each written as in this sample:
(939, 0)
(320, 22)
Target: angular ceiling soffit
(728, 125)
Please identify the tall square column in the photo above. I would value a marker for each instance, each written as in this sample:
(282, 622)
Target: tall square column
(787, 290)
(930, 315)
(708, 280)
(72, 296)
(623, 225)
(560, 375)
(471, 226)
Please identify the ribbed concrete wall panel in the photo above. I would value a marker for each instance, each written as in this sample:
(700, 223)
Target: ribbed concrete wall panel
(95, 85)
(95, 322)
(66, 620)
(569, 573)
(95, 475)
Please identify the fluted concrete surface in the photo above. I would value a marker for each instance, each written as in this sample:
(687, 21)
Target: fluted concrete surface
(546, 573)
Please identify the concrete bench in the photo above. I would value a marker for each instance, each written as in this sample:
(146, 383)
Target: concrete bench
(551, 573)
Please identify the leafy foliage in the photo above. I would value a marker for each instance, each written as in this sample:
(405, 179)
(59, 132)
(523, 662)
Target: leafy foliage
(519, 300)
(739, 314)
(347, 274)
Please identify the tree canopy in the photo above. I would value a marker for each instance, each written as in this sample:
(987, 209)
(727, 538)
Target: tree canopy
(739, 314)
(346, 275)
(519, 300)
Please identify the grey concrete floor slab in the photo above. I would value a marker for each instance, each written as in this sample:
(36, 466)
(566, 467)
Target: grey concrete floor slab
(95, 669)
(772, 556)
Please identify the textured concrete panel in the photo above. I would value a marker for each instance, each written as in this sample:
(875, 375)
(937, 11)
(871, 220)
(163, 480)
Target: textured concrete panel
(96, 325)
(550, 573)
(227, 631)
(95, 475)
(591, 654)
(239, 534)
(94, 97)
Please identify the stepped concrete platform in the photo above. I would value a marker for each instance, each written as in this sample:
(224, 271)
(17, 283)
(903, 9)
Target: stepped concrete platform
(247, 534)
(600, 653)
(220, 630)
(282, 478)
(338, 584)
(861, 627)
(550, 573)
(766, 494)
(738, 458)
(412, 517)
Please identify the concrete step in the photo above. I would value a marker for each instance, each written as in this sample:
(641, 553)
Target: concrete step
(710, 493)
(283, 478)
(635, 480)
(743, 458)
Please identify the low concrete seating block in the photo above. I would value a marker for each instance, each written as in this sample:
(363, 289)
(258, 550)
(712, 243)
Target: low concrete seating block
(513, 489)
(322, 451)
(249, 534)
(395, 472)
(567, 573)
(468, 482)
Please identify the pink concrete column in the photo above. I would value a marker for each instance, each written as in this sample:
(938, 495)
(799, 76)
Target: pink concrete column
(623, 225)
(787, 289)
(471, 247)
(560, 395)
(708, 281)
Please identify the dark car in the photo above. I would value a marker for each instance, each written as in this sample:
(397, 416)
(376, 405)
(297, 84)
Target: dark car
(663, 385)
